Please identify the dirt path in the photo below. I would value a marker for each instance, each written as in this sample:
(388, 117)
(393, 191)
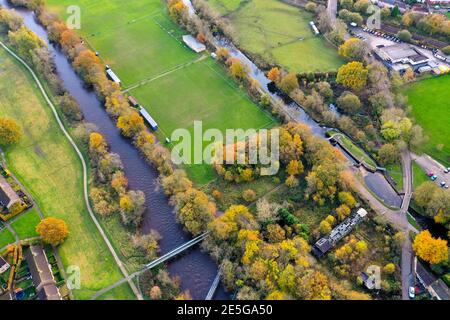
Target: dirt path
(83, 162)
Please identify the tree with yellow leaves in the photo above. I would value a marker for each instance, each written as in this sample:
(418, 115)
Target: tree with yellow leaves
(237, 69)
(294, 167)
(222, 54)
(352, 75)
(10, 131)
(130, 124)
(353, 49)
(53, 231)
(430, 249)
(176, 9)
(289, 82)
(292, 182)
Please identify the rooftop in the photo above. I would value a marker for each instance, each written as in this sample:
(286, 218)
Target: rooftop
(7, 195)
(193, 43)
(41, 274)
(426, 277)
(441, 290)
(401, 52)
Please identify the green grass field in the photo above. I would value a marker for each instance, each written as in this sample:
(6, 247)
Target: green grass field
(48, 167)
(25, 225)
(396, 172)
(419, 176)
(6, 237)
(203, 93)
(280, 33)
(357, 152)
(431, 109)
(180, 86)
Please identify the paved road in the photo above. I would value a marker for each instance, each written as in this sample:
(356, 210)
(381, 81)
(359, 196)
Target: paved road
(399, 220)
(428, 164)
(83, 162)
(407, 251)
(332, 10)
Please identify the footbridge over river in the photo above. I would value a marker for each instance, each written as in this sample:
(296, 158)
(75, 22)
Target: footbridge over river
(154, 263)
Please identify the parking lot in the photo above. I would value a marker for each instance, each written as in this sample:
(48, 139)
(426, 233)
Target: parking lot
(374, 38)
(430, 165)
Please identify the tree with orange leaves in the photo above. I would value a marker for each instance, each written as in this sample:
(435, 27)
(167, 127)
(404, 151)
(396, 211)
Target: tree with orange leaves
(274, 74)
(430, 249)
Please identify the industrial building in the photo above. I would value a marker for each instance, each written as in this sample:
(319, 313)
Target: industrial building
(323, 245)
(401, 56)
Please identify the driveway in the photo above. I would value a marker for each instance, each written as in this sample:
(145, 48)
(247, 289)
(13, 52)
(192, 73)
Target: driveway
(428, 164)
(332, 10)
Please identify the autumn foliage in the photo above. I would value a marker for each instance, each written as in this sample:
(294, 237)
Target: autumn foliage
(52, 230)
(10, 131)
(430, 249)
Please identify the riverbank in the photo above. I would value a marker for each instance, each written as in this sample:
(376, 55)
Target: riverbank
(49, 168)
(159, 215)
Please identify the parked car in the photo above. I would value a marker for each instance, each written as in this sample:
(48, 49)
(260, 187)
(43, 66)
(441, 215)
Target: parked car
(446, 170)
(430, 174)
(443, 184)
(412, 292)
(434, 178)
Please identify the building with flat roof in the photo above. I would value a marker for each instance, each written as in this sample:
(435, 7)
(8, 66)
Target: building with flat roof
(8, 197)
(401, 56)
(113, 76)
(193, 43)
(41, 274)
(149, 119)
(323, 245)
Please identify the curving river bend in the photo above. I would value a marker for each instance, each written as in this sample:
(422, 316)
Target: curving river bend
(195, 268)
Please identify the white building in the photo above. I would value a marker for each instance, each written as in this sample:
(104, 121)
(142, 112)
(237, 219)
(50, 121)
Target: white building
(4, 266)
(193, 43)
(113, 76)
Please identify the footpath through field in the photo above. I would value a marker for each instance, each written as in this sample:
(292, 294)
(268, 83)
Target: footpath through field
(83, 162)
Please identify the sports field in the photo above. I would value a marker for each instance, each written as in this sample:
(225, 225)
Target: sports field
(50, 170)
(431, 108)
(176, 85)
(280, 33)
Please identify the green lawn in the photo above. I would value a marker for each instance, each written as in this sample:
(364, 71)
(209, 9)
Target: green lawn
(431, 108)
(6, 237)
(25, 225)
(179, 87)
(419, 176)
(50, 170)
(280, 33)
(357, 152)
(396, 172)
(204, 93)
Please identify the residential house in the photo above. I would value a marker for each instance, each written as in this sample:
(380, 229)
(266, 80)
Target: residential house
(8, 197)
(41, 274)
(435, 287)
(4, 266)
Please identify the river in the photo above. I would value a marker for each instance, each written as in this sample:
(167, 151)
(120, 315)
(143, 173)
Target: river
(374, 181)
(195, 268)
